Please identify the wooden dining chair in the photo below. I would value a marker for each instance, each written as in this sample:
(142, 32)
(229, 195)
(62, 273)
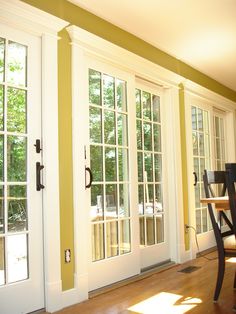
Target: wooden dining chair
(225, 240)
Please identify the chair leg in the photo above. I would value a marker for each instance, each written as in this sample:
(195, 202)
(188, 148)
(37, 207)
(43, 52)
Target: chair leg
(220, 276)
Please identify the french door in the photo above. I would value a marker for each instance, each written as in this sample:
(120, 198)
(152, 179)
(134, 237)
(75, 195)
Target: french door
(21, 242)
(124, 175)
(153, 226)
(111, 158)
(208, 152)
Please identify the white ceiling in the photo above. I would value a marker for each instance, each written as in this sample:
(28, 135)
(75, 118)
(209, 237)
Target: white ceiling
(201, 33)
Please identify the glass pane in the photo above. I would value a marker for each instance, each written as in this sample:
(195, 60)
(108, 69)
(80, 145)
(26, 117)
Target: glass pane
(202, 167)
(156, 108)
(140, 199)
(158, 167)
(97, 242)
(207, 147)
(158, 198)
(148, 167)
(121, 95)
(142, 231)
(160, 228)
(197, 196)
(108, 91)
(139, 134)
(204, 220)
(112, 238)
(198, 221)
(97, 208)
(17, 256)
(122, 129)
(147, 130)
(17, 208)
(140, 167)
(109, 127)
(138, 103)
(2, 58)
(217, 127)
(222, 133)
(150, 230)
(1, 106)
(195, 143)
(125, 245)
(1, 157)
(110, 164)
(2, 262)
(124, 200)
(16, 158)
(194, 118)
(149, 198)
(201, 144)
(157, 137)
(2, 210)
(196, 167)
(111, 201)
(94, 87)
(205, 122)
(218, 152)
(200, 119)
(95, 125)
(223, 149)
(123, 164)
(146, 106)
(96, 162)
(16, 110)
(16, 67)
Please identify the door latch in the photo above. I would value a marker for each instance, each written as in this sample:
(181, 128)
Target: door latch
(38, 146)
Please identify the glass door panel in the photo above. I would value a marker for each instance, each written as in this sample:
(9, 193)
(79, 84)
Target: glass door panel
(149, 156)
(110, 209)
(201, 161)
(13, 173)
(21, 254)
(154, 244)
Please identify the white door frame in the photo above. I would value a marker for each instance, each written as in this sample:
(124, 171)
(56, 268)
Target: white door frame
(200, 95)
(26, 18)
(85, 44)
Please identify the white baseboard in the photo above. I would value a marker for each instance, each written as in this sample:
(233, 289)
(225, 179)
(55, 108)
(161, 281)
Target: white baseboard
(77, 294)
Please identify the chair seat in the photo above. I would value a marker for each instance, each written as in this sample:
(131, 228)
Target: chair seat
(230, 243)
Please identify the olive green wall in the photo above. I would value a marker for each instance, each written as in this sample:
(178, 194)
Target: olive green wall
(65, 158)
(184, 161)
(78, 16)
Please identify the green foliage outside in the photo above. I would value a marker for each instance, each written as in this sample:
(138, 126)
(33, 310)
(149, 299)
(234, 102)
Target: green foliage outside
(13, 143)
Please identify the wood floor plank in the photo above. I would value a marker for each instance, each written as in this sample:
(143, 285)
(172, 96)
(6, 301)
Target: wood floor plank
(167, 292)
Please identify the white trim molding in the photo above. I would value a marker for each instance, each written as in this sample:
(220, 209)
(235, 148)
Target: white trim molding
(20, 15)
(126, 60)
(28, 19)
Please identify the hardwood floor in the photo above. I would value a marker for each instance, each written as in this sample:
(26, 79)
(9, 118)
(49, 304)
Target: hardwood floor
(167, 292)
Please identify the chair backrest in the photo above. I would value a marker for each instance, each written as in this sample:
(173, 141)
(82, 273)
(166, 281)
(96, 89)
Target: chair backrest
(230, 183)
(215, 178)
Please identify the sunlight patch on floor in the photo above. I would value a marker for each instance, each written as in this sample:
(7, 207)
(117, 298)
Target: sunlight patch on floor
(166, 303)
(231, 260)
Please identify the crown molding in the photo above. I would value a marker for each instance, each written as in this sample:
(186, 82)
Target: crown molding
(23, 16)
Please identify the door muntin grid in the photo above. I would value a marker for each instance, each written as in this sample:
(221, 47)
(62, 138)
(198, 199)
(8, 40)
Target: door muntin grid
(201, 161)
(109, 157)
(149, 157)
(13, 163)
